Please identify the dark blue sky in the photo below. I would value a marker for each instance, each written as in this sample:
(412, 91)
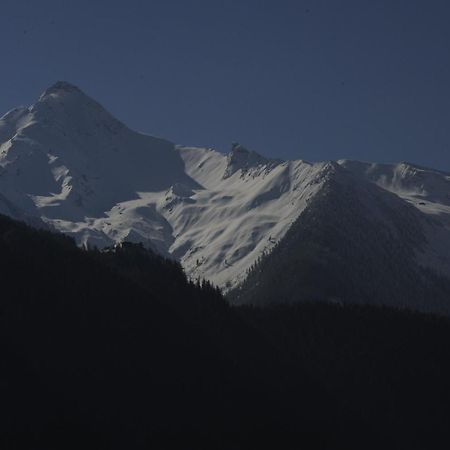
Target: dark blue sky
(318, 79)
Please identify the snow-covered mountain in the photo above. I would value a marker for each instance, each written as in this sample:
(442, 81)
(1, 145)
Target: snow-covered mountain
(66, 162)
(356, 243)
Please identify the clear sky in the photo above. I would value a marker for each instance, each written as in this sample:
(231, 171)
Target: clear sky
(317, 79)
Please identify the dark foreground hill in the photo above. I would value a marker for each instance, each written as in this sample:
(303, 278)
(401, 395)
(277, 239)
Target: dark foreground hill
(118, 350)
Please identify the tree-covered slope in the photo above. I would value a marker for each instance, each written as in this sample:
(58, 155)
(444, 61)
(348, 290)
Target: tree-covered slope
(117, 349)
(119, 345)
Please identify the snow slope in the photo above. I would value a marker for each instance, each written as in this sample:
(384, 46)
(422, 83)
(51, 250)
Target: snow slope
(241, 213)
(67, 162)
(428, 190)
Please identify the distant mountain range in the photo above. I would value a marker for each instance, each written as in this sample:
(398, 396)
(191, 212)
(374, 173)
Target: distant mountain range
(340, 231)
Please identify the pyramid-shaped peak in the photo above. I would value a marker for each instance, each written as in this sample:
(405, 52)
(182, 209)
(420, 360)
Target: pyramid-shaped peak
(69, 95)
(64, 86)
(68, 105)
(62, 89)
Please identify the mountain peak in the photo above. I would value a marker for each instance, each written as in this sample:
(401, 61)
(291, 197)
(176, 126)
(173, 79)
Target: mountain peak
(61, 88)
(65, 86)
(240, 158)
(68, 105)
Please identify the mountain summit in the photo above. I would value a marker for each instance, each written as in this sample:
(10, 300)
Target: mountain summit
(69, 164)
(242, 159)
(60, 88)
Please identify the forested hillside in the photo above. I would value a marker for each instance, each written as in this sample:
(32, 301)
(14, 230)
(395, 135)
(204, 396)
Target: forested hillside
(118, 346)
(119, 350)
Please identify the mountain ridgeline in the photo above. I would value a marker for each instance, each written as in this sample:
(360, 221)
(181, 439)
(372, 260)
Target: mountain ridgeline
(263, 230)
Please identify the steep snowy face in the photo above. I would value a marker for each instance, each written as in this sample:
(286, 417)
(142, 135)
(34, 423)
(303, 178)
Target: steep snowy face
(221, 230)
(66, 159)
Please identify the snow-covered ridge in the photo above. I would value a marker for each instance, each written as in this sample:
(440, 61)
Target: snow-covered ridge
(244, 160)
(66, 161)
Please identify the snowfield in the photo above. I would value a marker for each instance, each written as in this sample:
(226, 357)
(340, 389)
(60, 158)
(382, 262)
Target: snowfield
(67, 163)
